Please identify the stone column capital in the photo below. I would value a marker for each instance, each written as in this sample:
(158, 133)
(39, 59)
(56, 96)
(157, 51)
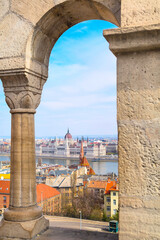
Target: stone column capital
(133, 39)
(23, 91)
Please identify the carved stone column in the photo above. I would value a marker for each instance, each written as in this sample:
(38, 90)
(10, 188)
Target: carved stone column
(138, 113)
(23, 93)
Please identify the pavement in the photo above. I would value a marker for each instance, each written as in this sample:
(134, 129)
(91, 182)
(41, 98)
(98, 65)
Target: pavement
(75, 223)
(62, 228)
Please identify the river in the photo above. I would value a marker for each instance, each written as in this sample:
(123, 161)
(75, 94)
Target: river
(100, 167)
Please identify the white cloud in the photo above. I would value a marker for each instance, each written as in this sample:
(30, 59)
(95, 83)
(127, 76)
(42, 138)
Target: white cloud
(77, 102)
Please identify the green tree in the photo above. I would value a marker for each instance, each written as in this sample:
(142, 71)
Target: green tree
(96, 214)
(115, 217)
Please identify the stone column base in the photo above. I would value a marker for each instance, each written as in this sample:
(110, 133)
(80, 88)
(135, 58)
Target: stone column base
(23, 230)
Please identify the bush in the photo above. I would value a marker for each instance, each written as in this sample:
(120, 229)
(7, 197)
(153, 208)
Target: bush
(96, 214)
(69, 211)
(115, 217)
(105, 218)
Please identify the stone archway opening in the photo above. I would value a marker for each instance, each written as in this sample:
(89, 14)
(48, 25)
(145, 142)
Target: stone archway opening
(56, 94)
(81, 65)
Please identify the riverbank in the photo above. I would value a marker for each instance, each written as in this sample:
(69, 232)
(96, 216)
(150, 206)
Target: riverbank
(107, 158)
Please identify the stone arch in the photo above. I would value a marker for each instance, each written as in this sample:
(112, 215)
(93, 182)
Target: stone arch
(60, 18)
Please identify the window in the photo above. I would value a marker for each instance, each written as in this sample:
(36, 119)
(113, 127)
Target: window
(114, 193)
(114, 211)
(108, 199)
(114, 202)
(4, 206)
(4, 199)
(108, 208)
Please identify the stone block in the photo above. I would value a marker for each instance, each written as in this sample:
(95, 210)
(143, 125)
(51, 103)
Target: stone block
(139, 12)
(23, 230)
(32, 10)
(4, 7)
(138, 224)
(11, 63)
(14, 33)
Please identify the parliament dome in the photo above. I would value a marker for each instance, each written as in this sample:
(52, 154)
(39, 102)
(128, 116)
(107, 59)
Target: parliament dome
(68, 135)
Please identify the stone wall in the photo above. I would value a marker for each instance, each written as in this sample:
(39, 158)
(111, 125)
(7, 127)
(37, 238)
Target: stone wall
(138, 114)
(139, 12)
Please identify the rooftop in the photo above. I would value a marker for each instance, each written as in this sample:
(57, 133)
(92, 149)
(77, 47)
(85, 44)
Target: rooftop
(111, 186)
(97, 184)
(47, 191)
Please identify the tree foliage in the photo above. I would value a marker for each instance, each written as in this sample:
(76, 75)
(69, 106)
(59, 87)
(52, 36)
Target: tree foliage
(89, 204)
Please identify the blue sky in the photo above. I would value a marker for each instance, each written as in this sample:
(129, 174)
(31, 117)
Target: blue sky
(80, 92)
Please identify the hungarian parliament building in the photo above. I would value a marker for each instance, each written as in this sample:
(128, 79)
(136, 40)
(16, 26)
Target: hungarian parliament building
(68, 147)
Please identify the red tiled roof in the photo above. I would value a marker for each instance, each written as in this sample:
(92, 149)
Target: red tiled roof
(5, 187)
(97, 184)
(111, 186)
(45, 192)
(42, 190)
(91, 171)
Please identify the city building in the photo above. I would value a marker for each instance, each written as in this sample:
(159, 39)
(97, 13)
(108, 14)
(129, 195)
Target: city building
(5, 146)
(4, 194)
(69, 187)
(97, 187)
(111, 198)
(5, 174)
(49, 199)
(112, 148)
(68, 147)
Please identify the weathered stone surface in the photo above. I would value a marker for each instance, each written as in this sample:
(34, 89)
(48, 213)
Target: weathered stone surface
(34, 11)
(139, 224)
(125, 39)
(139, 12)
(23, 230)
(138, 104)
(23, 93)
(6, 64)
(14, 33)
(23, 90)
(140, 89)
(4, 7)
